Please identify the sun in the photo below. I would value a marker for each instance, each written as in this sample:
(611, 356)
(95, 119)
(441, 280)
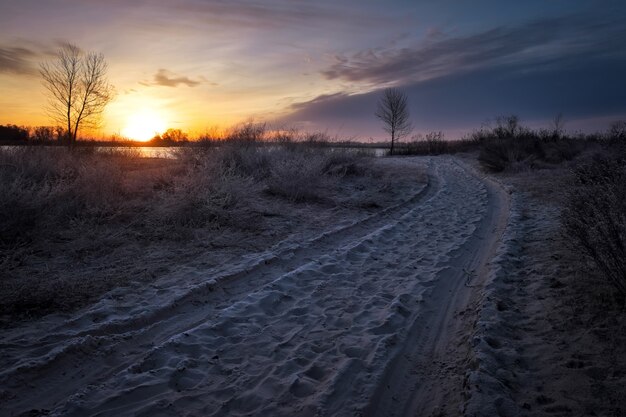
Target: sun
(143, 126)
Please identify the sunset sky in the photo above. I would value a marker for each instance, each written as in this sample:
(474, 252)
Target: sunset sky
(196, 64)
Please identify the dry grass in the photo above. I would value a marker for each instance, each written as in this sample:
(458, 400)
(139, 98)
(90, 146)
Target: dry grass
(589, 191)
(509, 146)
(76, 224)
(594, 217)
(434, 143)
(569, 332)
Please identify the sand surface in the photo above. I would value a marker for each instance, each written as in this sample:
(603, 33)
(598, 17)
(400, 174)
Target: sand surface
(549, 340)
(369, 318)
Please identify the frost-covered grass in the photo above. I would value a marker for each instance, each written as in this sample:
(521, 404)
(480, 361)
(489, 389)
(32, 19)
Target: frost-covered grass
(594, 217)
(509, 146)
(75, 224)
(551, 332)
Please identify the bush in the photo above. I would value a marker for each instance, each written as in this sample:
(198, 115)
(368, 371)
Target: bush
(46, 188)
(498, 154)
(617, 131)
(508, 127)
(431, 144)
(206, 194)
(595, 217)
(511, 146)
(295, 171)
(296, 176)
(245, 159)
(248, 133)
(529, 151)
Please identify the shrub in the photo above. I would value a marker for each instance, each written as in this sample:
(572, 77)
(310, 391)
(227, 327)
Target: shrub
(296, 176)
(510, 145)
(46, 188)
(248, 160)
(508, 127)
(617, 131)
(595, 217)
(344, 163)
(498, 154)
(559, 150)
(248, 133)
(433, 143)
(205, 195)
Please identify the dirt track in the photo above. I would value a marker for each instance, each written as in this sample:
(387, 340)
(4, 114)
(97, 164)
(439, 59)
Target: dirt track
(372, 318)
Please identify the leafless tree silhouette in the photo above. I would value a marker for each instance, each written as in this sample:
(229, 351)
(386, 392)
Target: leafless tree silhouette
(78, 88)
(393, 111)
(558, 126)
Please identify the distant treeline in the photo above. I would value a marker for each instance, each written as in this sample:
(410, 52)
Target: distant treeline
(55, 135)
(496, 135)
(248, 133)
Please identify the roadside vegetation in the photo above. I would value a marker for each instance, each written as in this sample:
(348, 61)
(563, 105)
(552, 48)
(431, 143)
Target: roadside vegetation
(214, 181)
(594, 216)
(78, 223)
(593, 211)
(555, 342)
(594, 204)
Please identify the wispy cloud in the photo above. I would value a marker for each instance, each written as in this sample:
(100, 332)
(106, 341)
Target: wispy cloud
(535, 41)
(17, 60)
(274, 13)
(319, 100)
(167, 78)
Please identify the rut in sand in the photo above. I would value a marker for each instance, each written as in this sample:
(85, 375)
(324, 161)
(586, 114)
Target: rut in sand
(317, 328)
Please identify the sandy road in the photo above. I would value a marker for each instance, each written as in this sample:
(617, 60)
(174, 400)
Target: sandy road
(427, 376)
(360, 320)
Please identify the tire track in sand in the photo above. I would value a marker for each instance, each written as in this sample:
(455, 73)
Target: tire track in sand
(53, 361)
(312, 337)
(427, 376)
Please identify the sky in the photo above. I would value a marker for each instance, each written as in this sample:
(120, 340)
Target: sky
(198, 65)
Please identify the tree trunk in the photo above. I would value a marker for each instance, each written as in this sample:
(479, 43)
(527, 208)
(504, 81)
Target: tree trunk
(68, 135)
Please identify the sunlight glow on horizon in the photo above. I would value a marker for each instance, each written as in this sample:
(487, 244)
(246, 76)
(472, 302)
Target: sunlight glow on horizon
(144, 125)
(320, 66)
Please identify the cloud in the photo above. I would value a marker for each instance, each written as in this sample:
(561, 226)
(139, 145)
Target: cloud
(17, 60)
(536, 41)
(318, 101)
(166, 78)
(465, 100)
(274, 14)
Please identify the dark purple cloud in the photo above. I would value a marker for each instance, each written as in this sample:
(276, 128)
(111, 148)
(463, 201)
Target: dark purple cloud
(536, 41)
(463, 101)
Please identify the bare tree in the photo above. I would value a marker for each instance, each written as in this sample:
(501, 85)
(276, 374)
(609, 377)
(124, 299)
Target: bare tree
(558, 126)
(394, 112)
(78, 88)
(43, 134)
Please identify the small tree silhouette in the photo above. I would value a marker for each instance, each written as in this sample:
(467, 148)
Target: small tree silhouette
(174, 135)
(43, 134)
(393, 111)
(78, 88)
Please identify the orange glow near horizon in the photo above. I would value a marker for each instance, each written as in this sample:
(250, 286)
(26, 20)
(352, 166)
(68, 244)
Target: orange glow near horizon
(144, 125)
